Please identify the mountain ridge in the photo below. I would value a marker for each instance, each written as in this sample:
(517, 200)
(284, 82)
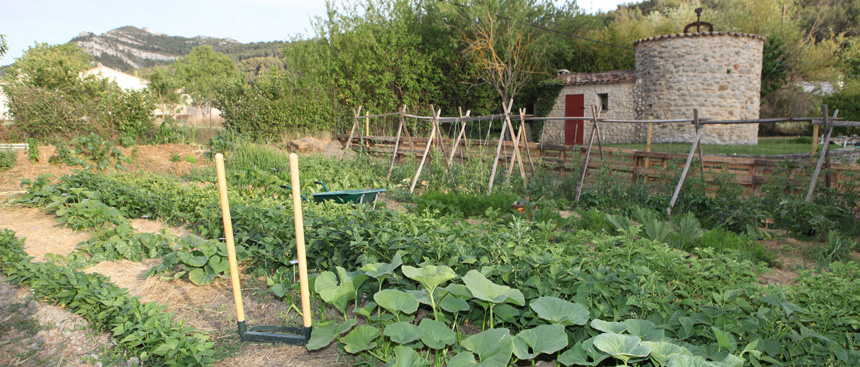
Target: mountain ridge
(127, 48)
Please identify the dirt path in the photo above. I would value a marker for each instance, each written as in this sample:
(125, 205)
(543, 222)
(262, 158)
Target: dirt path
(36, 334)
(43, 234)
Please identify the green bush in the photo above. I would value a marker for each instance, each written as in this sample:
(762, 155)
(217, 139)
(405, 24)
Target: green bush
(730, 242)
(837, 248)
(594, 220)
(33, 152)
(8, 159)
(465, 205)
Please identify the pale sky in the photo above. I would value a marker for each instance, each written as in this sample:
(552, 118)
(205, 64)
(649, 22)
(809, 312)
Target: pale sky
(26, 22)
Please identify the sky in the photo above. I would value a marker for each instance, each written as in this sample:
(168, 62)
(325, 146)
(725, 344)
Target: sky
(26, 22)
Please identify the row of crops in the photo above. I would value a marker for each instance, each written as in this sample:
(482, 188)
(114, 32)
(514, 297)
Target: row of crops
(417, 288)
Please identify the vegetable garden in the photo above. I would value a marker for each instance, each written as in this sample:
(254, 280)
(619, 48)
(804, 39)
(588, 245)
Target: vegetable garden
(459, 278)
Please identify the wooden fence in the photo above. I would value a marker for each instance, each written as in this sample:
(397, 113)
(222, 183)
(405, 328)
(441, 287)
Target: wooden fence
(749, 172)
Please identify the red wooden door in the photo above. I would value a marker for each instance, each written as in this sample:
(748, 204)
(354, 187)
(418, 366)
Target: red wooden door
(574, 106)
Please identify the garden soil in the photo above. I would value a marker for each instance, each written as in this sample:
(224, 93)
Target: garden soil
(36, 334)
(145, 158)
(209, 309)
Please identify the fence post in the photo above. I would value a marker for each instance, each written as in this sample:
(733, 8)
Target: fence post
(498, 150)
(396, 145)
(684, 172)
(585, 162)
(354, 125)
(426, 152)
(828, 129)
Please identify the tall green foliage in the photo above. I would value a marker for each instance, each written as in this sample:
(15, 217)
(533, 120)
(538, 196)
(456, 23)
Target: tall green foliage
(50, 100)
(163, 87)
(202, 72)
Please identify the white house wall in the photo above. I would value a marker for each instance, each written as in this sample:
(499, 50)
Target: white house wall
(125, 81)
(4, 105)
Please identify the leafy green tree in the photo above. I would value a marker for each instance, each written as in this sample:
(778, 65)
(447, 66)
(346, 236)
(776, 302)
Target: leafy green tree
(202, 72)
(51, 101)
(164, 87)
(255, 66)
(820, 19)
(50, 66)
(3, 46)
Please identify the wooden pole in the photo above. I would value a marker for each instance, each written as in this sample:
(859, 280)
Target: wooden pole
(424, 157)
(514, 137)
(300, 240)
(814, 140)
(406, 130)
(457, 141)
(441, 141)
(827, 155)
(228, 237)
(828, 130)
(698, 127)
(498, 152)
(584, 165)
(684, 172)
(465, 138)
(648, 145)
(396, 146)
(516, 155)
(525, 141)
(595, 113)
(364, 146)
(354, 125)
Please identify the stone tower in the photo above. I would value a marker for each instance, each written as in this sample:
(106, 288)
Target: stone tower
(717, 72)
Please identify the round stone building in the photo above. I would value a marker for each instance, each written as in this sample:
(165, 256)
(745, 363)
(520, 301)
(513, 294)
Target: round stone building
(718, 73)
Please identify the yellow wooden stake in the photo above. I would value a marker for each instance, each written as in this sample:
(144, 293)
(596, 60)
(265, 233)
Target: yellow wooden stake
(228, 236)
(300, 240)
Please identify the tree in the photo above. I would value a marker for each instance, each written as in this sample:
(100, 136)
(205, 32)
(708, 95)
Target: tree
(504, 47)
(202, 72)
(163, 87)
(50, 66)
(51, 101)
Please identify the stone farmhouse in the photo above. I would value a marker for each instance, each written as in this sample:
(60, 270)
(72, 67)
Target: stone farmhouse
(718, 73)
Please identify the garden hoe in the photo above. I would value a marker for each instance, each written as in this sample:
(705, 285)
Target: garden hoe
(281, 334)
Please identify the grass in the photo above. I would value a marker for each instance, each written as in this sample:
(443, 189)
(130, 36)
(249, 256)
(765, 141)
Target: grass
(766, 146)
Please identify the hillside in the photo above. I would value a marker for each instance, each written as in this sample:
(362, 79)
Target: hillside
(129, 47)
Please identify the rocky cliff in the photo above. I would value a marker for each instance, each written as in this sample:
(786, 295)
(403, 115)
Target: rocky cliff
(129, 47)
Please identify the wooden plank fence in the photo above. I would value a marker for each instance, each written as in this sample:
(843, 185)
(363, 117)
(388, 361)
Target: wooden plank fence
(749, 172)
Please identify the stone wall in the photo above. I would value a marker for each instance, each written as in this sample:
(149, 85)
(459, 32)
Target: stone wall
(717, 73)
(621, 107)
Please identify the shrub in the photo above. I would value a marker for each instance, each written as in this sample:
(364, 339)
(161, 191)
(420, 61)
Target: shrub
(465, 205)
(8, 159)
(33, 154)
